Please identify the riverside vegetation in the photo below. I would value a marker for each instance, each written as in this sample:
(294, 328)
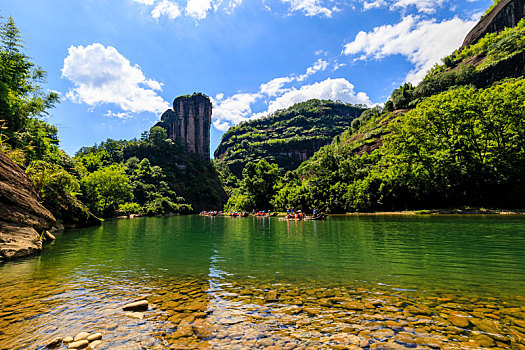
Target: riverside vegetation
(301, 157)
(451, 141)
(127, 176)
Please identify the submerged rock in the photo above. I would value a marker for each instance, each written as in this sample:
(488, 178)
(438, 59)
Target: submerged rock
(78, 344)
(67, 340)
(141, 305)
(93, 337)
(55, 343)
(81, 336)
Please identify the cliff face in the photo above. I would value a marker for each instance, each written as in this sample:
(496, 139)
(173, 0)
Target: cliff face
(506, 14)
(189, 123)
(512, 67)
(22, 217)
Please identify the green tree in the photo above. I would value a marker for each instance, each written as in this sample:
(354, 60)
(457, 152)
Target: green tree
(258, 186)
(106, 189)
(21, 95)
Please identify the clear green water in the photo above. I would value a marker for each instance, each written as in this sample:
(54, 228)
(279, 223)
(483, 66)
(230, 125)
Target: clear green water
(479, 255)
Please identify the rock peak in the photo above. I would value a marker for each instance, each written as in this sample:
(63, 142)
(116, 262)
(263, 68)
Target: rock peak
(189, 123)
(506, 14)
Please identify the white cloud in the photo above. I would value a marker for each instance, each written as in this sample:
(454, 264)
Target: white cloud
(237, 108)
(166, 7)
(198, 9)
(422, 42)
(337, 66)
(310, 7)
(222, 126)
(122, 115)
(145, 2)
(367, 5)
(101, 75)
(425, 6)
(319, 65)
(274, 86)
(329, 89)
(234, 3)
(234, 109)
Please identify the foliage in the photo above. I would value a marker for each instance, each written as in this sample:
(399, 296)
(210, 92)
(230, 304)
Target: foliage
(491, 7)
(159, 172)
(257, 187)
(280, 137)
(50, 178)
(462, 147)
(21, 95)
(130, 208)
(106, 189)
(365, 117)
(462, 67)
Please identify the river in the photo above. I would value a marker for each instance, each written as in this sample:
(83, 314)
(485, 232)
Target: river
(450, 282)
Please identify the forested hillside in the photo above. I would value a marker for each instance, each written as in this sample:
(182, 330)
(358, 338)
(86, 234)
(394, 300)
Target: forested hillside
(457, 139)
(286, 137)
(157, 176)
(151, 175)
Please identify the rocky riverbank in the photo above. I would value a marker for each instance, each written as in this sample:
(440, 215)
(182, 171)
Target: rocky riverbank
(22, 218)
(189, 313)
(25, 221)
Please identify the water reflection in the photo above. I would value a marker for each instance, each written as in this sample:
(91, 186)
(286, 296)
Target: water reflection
(264, 282)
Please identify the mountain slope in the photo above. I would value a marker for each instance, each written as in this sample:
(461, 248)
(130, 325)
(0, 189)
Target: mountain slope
(457, 139)
(287, 137)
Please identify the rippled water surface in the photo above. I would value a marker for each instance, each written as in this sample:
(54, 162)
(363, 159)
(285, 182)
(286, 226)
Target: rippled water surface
(348, 282)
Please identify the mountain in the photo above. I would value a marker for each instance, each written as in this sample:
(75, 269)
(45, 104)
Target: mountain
(457, 139)
(286, 137)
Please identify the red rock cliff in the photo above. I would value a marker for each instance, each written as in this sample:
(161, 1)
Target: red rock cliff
(189, 123)
(22, 217)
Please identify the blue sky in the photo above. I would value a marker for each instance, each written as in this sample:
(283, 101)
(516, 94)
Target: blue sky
(118, 64)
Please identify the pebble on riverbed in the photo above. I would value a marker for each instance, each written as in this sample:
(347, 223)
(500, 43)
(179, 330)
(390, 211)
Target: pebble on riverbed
(82, 340)
(141, 305)
(55, 343)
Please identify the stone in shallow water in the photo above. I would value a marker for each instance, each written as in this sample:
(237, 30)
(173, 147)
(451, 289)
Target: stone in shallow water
(484, 340)
(490, 327)
(352, 305)
(459, 321)
(95, 344)
(55, 343)
(271, 296)
(383, 333)
(430, 342)
(67, 340)
(141, 305)
(93, 337)
(137, 315)
(265, 342)
(81, 336)
(202, 329)
(78, 344)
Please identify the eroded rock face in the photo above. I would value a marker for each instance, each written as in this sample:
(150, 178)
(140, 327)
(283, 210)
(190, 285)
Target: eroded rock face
(22, 217)
(189, 123)
(507, 13)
